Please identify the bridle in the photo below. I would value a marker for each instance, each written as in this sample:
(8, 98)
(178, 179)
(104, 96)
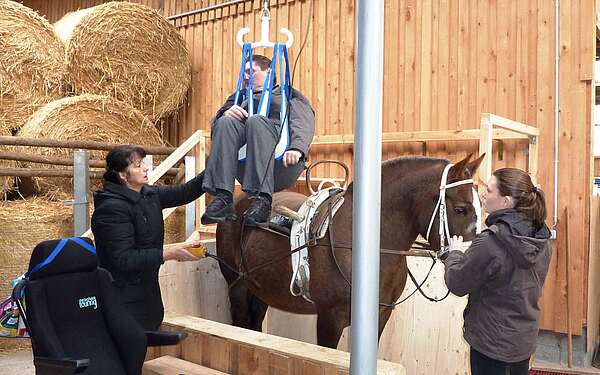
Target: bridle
(440, 208)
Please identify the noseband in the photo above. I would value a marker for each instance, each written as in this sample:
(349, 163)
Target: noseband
(440, 207)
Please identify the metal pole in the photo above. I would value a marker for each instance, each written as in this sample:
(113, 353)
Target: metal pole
(149, 161)
(190, 208)
(367, 187)
(81, 188)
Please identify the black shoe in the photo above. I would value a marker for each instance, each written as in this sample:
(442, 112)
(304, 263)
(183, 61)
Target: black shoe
(219, 210)
(259, 212)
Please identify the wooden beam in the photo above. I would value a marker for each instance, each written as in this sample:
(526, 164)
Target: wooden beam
(420, 136)
(485, 146)
(177, 155)
(27, 172)
(274, 345)
(88, 145)
(56, 160)
(167, 365)
(511, 125)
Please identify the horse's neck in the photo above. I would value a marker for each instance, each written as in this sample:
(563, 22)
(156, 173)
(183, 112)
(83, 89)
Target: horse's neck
(396, 227)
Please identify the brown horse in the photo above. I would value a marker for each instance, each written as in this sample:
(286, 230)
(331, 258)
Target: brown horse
(410, 190)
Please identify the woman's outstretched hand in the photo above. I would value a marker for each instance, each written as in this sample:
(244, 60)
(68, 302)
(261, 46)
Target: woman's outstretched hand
(181, 251)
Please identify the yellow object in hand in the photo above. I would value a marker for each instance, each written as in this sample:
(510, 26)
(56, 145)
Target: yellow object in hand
(198, 251)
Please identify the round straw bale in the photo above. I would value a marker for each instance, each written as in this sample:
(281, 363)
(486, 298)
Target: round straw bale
(32, 65)
(24, 224)
(128, 51)
(84, 117)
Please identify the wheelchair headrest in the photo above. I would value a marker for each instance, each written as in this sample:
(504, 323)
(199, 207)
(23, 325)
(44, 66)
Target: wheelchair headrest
(68, 255)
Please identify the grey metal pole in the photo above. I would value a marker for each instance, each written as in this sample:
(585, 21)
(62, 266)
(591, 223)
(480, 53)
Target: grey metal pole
(81, 188)
(367, 187)
(190, 208)
(149, 161)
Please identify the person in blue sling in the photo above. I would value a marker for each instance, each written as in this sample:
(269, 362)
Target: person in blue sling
(264, 145)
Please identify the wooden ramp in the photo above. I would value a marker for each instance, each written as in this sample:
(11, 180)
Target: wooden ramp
(167, 365)
(238, 351)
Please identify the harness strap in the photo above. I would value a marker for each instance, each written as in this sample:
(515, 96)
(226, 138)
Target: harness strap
(280, 55)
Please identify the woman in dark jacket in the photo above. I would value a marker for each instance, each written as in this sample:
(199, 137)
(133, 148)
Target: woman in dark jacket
(129, 231)
(503, 272)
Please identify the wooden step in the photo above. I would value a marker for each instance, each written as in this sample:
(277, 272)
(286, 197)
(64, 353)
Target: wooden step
(167, 365)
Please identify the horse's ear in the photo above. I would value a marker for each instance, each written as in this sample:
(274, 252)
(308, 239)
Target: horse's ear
(474, 165)
(456, 172)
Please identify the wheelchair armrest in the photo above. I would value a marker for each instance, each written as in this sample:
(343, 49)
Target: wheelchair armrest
(17, 292)
(162, 338)
(59, 366)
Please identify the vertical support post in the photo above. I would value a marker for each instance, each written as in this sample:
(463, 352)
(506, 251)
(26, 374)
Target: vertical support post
(533, 158)
(190, 208)
(148, 160)
(485, 146)
(367, 187)
(200, 151)
(81, 188)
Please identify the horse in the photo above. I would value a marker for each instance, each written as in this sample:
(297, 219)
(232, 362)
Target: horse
(410, 191)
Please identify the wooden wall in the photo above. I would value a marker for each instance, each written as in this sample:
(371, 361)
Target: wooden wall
(446, 61)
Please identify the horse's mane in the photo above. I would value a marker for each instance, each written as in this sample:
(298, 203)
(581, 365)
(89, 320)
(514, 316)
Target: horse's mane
(414, 161)
(398, 166)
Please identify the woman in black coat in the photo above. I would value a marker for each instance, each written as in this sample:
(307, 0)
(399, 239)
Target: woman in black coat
(503, 272)
(129, 231)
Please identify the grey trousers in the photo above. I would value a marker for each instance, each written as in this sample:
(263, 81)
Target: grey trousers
(259, 172)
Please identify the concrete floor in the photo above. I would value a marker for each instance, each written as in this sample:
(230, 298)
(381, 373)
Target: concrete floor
(16, 363)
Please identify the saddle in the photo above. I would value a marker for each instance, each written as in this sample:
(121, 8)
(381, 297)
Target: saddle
(305, 220)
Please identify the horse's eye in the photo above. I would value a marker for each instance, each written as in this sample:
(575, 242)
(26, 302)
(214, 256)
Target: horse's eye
(460, 210)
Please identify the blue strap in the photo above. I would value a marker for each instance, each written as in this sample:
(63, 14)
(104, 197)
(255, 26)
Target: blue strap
(61, 244)
(280, 55)
(83, 244)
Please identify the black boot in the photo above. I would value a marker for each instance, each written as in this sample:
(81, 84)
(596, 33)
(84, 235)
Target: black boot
(259, 211)
(220, 209)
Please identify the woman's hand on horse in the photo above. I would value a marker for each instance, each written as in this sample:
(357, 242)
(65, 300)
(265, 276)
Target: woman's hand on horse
(237, 113)
(455, 243)
(291, 157)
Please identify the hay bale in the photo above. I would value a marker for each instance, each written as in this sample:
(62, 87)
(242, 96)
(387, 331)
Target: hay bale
(84, 117)
(128, 51)
(175, 226)
(32, 65)
(24, 224)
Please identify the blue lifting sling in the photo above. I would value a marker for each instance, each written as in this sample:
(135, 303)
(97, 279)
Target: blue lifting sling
(280, 55)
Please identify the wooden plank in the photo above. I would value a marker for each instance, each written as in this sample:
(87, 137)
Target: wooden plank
(168, 365)
(420, 136)
(485, 147)
(273, 344)
(502, 122)
(177, 155)
(425, 76)
(593, 282)
(253, 361)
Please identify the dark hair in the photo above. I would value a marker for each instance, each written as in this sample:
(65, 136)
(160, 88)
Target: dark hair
(118, 159)
(263, 63)
(528, 198)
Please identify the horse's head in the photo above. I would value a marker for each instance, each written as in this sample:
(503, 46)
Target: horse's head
(459, 207)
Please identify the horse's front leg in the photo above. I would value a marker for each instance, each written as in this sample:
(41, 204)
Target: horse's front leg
(247, 311)
(384, 316)
(330, 325)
